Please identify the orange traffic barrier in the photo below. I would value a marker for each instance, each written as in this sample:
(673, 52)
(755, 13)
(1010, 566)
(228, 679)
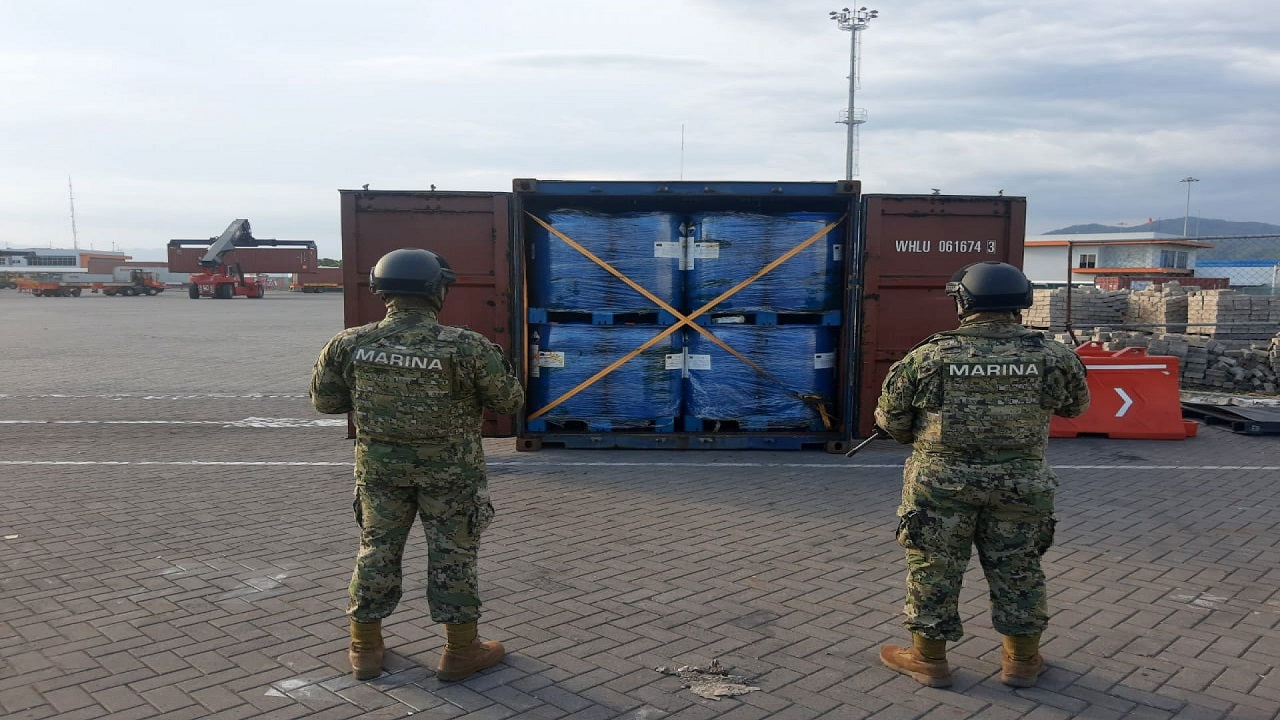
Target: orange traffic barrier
(1134, 396)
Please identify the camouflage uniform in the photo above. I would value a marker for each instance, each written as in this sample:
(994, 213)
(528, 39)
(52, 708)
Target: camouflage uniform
(975, 402)
(418, 390)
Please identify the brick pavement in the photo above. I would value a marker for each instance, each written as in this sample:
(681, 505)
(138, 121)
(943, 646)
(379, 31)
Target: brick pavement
(199, 570)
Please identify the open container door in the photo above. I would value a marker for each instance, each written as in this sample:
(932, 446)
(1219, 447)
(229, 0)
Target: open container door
(912, 245)
(468, 229)
(690, 315)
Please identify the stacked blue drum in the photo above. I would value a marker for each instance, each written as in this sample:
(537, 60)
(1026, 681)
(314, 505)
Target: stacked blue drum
(645, 247)
(583, 317)
(588, 318)
(795, 389)
(729, 247)
(642, 394)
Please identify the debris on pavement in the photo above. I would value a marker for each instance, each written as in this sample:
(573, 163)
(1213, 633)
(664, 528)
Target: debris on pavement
(712, 682)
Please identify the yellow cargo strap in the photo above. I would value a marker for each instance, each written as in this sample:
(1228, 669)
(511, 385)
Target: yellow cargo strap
(682, 319)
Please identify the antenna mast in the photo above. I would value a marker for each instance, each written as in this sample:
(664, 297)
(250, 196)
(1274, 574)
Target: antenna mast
(75, 237)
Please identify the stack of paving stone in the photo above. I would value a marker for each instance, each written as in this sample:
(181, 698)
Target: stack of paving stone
(1163, 307)
(1089, 306)
(1229, 314)
(1275, 353)
(1207, 363)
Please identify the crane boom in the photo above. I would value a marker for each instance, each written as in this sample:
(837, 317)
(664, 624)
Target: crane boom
(221, 274)
(236, 233)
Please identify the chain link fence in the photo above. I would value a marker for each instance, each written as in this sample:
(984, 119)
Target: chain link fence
(1250, 263)
(1225, 340)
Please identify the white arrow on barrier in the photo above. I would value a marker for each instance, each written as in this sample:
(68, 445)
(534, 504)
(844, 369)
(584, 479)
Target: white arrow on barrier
(1128, 402)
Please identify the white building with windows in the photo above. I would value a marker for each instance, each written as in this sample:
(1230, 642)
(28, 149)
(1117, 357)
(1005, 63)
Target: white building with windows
(1051, 259)
(54, 259)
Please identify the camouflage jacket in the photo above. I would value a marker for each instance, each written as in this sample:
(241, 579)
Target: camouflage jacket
(983, 392)
(417, 390)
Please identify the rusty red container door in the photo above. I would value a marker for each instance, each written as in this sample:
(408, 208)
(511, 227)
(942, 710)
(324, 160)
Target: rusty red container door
(470, 230)
(913, 244)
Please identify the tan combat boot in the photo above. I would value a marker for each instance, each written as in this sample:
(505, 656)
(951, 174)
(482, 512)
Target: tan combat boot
(464, 654)
(1020, 661)
(925, 661)
(366, 649)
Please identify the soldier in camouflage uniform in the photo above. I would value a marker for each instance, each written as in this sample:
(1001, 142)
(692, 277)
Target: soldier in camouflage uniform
(417, 390)
(975, 404)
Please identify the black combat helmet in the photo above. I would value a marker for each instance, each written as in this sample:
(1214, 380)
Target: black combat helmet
(411, 271)
(990, 287)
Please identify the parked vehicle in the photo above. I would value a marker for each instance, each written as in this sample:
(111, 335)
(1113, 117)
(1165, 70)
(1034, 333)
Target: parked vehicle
(124, 282)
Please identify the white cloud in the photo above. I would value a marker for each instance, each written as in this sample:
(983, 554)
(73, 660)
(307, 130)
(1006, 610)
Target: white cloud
(176, 118)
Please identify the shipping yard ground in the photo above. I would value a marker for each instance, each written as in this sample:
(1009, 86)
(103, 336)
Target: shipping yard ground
(177, 535)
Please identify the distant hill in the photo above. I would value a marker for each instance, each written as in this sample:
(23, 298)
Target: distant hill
(1173, 226)
(1239, 249)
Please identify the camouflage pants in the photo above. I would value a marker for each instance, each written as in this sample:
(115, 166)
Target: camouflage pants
(1007, 512)
(453, 523)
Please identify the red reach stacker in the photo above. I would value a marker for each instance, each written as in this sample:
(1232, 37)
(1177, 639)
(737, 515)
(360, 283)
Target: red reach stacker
(222, 273)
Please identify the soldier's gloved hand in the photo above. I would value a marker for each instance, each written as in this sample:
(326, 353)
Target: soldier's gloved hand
(906, 438)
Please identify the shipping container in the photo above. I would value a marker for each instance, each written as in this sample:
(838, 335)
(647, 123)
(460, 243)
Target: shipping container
(849, 303)
(252, 260)
(322, 279)
(685, 267)
(471, 232)
(912, 245)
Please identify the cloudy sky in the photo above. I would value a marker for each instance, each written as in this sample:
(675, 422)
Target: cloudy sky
(173, 118)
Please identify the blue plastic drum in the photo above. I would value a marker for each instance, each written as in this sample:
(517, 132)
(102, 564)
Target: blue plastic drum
(730, 247)
(640, 393)
(802, 358)
(645, 247)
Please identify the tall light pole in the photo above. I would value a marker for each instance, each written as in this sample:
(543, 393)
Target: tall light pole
(855, 21)
(1187, 215)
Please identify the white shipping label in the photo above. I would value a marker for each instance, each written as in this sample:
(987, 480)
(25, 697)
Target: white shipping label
(837, 252)
(821, 361)
(699, 362)
(667, 250)
(675, 362)
(706, 250)
(549, 358)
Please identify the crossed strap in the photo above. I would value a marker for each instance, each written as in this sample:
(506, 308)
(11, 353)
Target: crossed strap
(683, 320)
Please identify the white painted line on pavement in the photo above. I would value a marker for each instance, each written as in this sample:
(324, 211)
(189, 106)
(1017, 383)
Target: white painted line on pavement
(252, 422)
(868, 465)
(308, 463)
(1126, 367)
(155, 396)
(311, 463)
